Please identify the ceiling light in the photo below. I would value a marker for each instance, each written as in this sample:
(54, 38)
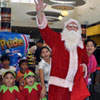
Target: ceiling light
(60, 17)
(64, 13)
(63, 6)
(72, 2)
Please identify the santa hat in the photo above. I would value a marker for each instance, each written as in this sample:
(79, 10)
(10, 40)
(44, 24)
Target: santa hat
(28, 73)
(73, 20)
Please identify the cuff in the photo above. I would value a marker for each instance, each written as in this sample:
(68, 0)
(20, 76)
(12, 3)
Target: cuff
(44, 22)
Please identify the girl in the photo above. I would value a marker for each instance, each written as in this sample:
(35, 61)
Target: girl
(44, 69)
(90, 48)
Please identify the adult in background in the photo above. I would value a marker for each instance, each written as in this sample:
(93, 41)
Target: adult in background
(39, 44)
(69, 58)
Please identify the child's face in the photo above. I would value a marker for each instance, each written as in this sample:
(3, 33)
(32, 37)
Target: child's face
(90, 48)
(9, 80)
(33, 49)
(5, 63)
(30, 80)
(45, 54)
(24, 66)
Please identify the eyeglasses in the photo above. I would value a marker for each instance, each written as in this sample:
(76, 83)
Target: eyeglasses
(72, 25)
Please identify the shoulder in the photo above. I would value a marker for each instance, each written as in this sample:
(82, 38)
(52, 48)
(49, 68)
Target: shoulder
(12, 68)
(2, 70)
(41, 64)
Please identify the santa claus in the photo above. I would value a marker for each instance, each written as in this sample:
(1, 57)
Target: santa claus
(69, 58)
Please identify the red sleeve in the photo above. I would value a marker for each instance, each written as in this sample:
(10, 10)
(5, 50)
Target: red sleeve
(49, 36)
(85, 58)
(19, 95)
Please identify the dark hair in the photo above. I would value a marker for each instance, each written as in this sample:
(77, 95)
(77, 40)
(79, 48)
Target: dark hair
(90, 40)
(31, 44)
(22, 61)
(4, 57)
(8, 73)
(44, 47)
(40, 41)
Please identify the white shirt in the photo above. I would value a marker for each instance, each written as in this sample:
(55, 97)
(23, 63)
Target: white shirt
(46, 70)
(11, 68)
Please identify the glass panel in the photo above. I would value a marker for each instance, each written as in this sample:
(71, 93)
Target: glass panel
(32, 1)
(15, 0)
(24, 1)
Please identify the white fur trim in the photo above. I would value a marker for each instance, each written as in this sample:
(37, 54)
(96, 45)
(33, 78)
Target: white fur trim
(60, 82)
(84, 65)
(69, 81)
(73, 65)
(44, 22)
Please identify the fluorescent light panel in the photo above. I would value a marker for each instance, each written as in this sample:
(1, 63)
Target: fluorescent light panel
(22, 1)
(62, 1)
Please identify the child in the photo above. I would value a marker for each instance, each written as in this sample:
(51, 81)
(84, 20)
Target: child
(44, 69)
(32, 89)
(23, 64)
(9, 91)
(31, 56)
(90, 48)
(5, 60)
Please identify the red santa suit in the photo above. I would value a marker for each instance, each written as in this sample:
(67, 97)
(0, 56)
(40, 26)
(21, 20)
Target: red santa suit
(66, 78)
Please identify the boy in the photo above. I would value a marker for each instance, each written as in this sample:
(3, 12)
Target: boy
(23, 64)
(5, 60)
(9, 91)
(32, 90)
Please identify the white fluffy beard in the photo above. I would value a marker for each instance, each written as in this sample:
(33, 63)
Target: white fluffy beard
(71, 38)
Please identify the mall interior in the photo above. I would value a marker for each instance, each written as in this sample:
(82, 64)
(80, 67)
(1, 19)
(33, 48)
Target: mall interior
(19, 16)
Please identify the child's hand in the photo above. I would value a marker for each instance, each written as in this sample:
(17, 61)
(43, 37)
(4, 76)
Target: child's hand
(43, 92)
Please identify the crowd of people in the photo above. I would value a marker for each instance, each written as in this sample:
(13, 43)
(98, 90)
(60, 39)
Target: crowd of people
(58, 70)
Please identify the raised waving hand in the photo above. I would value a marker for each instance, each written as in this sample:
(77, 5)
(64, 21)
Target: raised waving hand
(39, 5)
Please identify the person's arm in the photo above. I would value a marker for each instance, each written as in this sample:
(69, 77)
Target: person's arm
(85, 60)
(39, 8)
(43, 91)
(48, 35)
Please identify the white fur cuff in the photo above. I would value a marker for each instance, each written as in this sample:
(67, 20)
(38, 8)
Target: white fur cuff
(44, 22)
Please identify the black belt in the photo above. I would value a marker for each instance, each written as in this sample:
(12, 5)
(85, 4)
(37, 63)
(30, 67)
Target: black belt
(45, 82)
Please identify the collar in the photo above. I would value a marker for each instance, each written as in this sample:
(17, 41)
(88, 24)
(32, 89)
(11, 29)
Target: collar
(30, 88)
(44, 62)
(11, 89)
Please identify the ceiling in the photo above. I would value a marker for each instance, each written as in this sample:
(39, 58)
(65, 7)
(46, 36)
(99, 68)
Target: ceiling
(85, 11)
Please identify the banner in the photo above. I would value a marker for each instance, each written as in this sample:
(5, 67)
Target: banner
(15, 45)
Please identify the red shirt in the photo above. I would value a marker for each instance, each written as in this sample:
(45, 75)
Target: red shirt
(11, 95)
(33, 95)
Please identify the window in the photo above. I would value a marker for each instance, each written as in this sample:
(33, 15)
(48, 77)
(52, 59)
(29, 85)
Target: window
(22, 1)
